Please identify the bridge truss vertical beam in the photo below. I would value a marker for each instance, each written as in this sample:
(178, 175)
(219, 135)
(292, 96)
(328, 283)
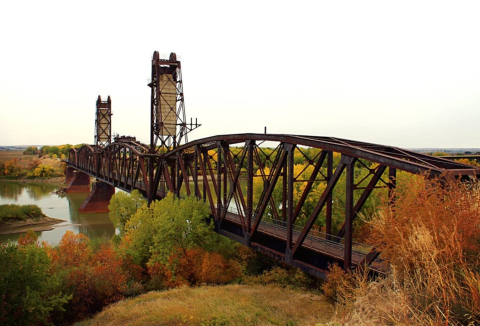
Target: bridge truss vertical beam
(349, 212)
(250, 144)
(288, 181)
(328, 217)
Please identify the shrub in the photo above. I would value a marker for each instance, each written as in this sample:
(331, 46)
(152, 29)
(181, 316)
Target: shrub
(12, 212)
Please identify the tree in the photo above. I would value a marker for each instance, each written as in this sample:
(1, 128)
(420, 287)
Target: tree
(33, 165)
(44, 171)
(11, 168)
(180, 225)
(94, 277)
(123, 206)
(31, 150)
(28, 289)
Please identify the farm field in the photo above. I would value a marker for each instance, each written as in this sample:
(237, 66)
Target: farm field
(23, 160)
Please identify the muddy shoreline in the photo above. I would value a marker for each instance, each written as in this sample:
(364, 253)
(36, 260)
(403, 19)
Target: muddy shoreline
(42, 224)
(54, 181)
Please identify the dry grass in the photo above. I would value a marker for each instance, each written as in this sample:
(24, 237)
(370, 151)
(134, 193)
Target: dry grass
(431, 239)
(224, 305)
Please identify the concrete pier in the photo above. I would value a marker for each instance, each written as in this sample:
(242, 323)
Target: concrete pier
(77, 181)
(98, 199)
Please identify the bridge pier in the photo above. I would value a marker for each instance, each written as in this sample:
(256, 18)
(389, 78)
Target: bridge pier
(98, 199)
(77, 181)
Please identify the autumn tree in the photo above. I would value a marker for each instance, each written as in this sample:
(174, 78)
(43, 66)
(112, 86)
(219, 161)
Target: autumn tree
(33, 164)
(44, 171)
(94, 278)
(11, 168)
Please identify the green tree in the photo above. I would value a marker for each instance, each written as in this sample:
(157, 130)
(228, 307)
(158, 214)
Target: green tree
(123, 206)
(180, 225)
(138, 237)
(31, 150)
(29, 292)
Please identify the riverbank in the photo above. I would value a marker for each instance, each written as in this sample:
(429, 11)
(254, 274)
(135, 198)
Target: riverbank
(57, 181)
(41, 224)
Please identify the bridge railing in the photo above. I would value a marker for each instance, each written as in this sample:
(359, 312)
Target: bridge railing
(315, 239)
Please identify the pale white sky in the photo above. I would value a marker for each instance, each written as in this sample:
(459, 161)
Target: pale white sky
(401, 73)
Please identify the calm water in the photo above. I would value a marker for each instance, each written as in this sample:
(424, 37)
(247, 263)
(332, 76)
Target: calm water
(64, 208)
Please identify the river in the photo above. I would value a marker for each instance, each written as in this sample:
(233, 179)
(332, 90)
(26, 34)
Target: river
(64, 208)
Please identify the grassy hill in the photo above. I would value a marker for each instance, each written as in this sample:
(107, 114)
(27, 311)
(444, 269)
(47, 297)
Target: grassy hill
(221, 305)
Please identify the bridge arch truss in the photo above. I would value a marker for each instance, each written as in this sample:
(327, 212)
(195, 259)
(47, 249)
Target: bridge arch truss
(260, 197)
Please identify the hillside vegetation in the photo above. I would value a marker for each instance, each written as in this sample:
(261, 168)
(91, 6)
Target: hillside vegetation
(222, 305)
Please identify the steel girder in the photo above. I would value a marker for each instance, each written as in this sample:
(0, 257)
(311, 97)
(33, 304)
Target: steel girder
(256, 197)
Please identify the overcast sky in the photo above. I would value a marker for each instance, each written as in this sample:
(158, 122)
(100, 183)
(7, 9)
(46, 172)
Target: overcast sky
(400, 73)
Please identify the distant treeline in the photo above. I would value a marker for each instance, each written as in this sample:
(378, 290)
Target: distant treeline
(51, 150)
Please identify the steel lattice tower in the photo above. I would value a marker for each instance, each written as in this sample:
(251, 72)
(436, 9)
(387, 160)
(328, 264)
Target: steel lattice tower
(168, 126)
(103, 123)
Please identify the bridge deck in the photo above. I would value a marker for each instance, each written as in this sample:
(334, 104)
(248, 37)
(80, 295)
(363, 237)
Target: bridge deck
(317, 241)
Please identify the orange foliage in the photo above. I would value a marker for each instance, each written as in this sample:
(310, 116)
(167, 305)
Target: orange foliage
(431, 239)
(94, 278)
(449, 209)
(194, 267)
(111, 280)
(28, 238)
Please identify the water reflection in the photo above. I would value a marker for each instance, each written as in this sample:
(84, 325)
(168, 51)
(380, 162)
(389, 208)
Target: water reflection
(92, 225)
(10, 190)
(52, 205)
(37, 191)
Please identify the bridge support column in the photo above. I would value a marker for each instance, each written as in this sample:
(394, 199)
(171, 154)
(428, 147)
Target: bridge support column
(98, 200)
(77, 181)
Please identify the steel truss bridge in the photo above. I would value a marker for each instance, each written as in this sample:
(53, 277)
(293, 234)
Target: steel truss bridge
(258, 196)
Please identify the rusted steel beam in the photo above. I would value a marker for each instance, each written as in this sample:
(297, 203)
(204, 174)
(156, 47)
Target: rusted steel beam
(235, 190)
(184, 176)
(158, 176)
(218, 190)
(363, 198)
(206, 187)
(168, 178)
(289, 208)
(266, 181)
(369, 258)
(309, 184)
(403, 160)
(144, 176)
(392, 184)
(318, 208)
(195, 172)
(268, 193)
(250, 144)
(350, 163)
(328, 212)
